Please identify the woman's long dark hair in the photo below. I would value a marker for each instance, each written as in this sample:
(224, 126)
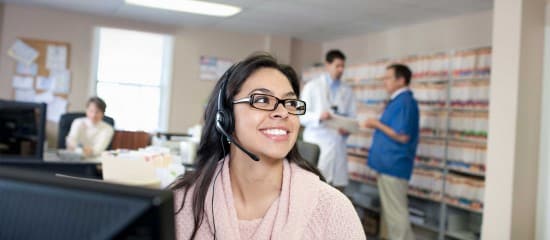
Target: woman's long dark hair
(210, 149)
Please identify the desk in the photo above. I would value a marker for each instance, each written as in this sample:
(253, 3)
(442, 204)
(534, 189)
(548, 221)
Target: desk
(170, 135)
(52, 164)
(51, 156)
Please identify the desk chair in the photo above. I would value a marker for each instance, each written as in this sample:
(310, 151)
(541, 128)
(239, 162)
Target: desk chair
(130, 140)
(65, 126)
(309, 151)
(139, 139)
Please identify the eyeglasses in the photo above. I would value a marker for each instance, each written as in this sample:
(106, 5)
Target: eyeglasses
(270, 103)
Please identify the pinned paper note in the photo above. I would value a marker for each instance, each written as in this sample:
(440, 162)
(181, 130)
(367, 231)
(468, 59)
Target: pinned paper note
(21, 82)
(44, 83)
(61, 80)
(45, 97)
(22, 52)
(212, 68)
(56, 108)
(27, 69)
(25, 95)
(56, 57)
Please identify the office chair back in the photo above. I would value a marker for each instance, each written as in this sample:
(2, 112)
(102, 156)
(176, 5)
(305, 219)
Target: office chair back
(309, 151)
(130, 140)
(65, 126)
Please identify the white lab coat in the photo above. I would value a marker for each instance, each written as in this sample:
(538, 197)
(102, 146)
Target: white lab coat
(333, 158)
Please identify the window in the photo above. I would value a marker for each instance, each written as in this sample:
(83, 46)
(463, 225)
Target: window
(133, 71)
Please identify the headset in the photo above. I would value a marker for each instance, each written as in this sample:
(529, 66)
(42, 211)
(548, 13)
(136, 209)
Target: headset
(224, 118)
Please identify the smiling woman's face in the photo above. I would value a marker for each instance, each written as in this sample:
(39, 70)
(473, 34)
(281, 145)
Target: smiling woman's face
(268, 134)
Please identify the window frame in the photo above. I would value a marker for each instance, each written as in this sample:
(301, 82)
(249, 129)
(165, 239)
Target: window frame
(166, 73)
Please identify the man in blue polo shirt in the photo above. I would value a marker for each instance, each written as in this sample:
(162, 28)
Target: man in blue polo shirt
(393, 150)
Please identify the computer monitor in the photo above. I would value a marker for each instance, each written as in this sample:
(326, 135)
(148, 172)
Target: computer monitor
(38, 206)
(22, 130)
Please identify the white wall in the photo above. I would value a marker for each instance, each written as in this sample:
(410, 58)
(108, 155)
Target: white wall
(461, 32)
(543, 200)
(514, 123)
(279, 46)
(305, 53)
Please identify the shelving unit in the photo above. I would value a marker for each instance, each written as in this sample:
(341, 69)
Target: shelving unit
(425, 226)
(463, 206)
(460, 236)
(430, 163)
(452, 91)
(467, 172)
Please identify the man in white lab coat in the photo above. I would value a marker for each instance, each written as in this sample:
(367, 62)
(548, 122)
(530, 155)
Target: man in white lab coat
(327, 96)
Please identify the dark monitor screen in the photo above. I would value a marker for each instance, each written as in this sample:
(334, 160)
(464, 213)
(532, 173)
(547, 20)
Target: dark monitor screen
(38, 206)
(22, 130)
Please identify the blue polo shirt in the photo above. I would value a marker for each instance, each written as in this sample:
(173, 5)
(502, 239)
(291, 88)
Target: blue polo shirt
(388, 156)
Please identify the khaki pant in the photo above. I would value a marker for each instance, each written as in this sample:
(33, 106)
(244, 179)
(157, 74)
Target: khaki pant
(395, 210)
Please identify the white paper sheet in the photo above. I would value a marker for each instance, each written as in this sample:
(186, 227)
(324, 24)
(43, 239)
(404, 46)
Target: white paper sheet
(56, 58)
(56, 108)
(46, 97)
(25, 95)
(349, 124)
(24, 69)
(21, 82)
(61, 80)
(44, 83)
(22, 52)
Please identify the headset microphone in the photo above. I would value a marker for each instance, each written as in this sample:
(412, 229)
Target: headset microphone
(230, 140)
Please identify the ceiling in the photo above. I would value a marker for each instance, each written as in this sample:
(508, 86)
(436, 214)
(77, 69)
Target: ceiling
(316, 20)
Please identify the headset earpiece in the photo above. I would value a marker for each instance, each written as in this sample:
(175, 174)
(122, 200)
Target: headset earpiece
(224, 117)
(225, 121)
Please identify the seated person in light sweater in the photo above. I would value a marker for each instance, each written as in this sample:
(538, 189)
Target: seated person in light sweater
(90, 135)
(280, 196)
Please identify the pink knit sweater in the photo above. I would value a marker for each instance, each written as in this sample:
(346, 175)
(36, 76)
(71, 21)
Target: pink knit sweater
(307, 208)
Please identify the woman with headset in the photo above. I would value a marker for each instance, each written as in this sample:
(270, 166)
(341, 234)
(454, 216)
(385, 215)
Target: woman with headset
(250, 181)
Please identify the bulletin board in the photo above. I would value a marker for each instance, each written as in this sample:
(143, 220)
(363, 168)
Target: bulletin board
(42, 47)
(42, 68)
